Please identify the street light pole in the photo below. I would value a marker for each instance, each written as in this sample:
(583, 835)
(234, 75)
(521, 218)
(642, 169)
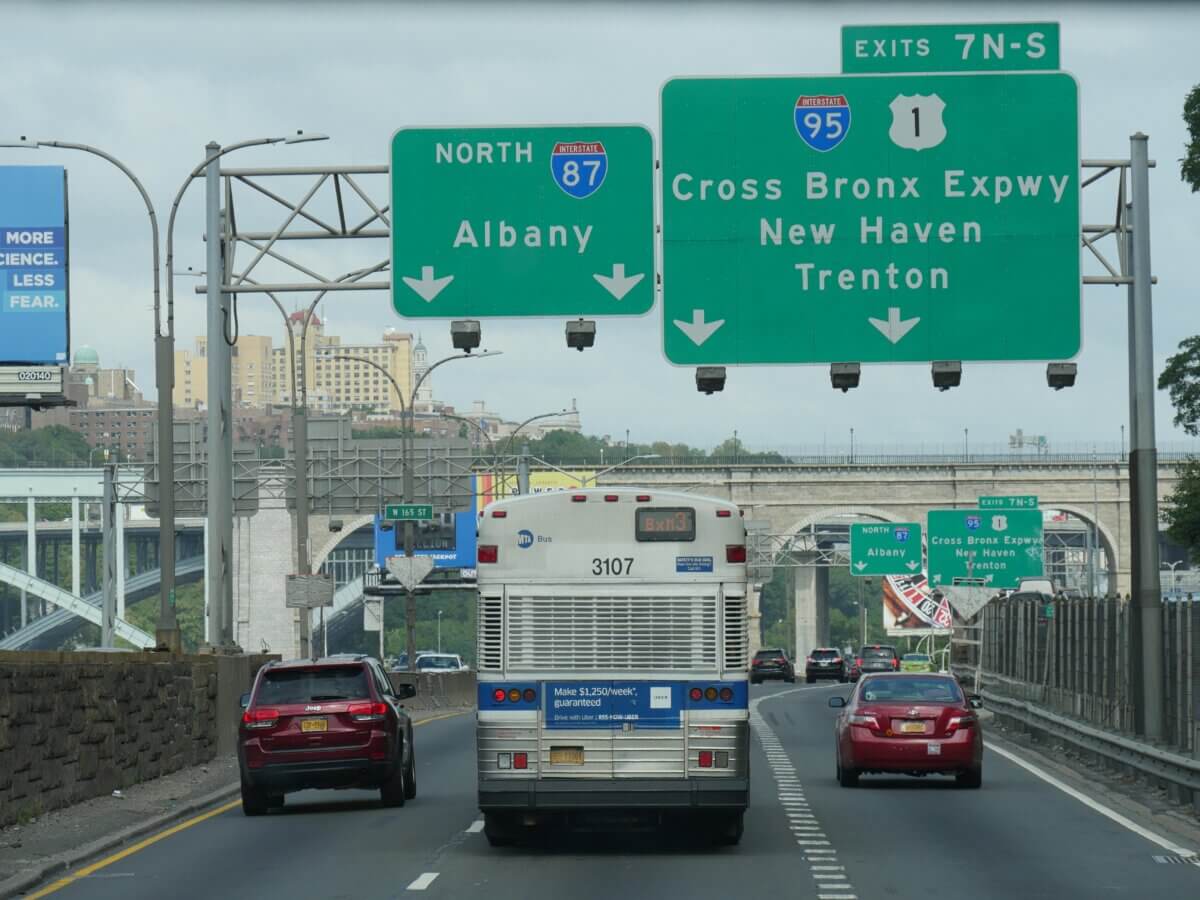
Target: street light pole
(167, 629)
(439, 631)
(522, 466)
(410, 612)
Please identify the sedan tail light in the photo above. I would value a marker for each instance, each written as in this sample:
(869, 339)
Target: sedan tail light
(263, 717)
(864, 720)
(367, 712)
(957, 722)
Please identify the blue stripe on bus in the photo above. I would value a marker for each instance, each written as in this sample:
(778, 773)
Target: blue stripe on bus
(487, 700)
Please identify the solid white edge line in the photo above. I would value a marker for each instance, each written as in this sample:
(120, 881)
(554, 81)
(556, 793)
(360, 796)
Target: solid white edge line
(1091, 804)
(475, 827)
(422, 881)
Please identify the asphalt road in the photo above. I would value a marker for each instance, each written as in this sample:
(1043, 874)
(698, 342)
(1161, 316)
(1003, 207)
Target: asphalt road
(805, 837)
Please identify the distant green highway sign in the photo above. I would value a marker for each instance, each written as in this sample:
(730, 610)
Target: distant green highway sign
(950, 48)
(523, 221)
(1000, 547)
(885, 548)
(871, 218)
(408, 512)
(1019, 501)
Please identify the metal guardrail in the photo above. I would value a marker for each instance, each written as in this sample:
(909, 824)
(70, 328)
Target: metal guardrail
(1152, 761)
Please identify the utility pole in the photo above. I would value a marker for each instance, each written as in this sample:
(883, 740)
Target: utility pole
(1143, 455)
(108, 543)
(218, 580)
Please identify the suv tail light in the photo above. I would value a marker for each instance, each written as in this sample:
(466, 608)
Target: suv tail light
(488, 553)
(735, 553)
(896, 663)
(263, 717)
(367, 712)
(836, 660)
(807, 659)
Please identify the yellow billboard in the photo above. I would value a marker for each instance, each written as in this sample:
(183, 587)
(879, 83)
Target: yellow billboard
(491, 487)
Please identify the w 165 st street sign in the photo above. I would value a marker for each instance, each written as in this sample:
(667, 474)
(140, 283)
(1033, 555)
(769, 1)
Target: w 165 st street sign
(871, 218)
(544, 221)
(885, 548)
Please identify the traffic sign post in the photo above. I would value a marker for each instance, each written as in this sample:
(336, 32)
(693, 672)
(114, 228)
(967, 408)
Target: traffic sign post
(889, 548)
(408, 512)
(523, 221)
(1000, 548)
(950, 48)
(1018, 501)
(871, 218)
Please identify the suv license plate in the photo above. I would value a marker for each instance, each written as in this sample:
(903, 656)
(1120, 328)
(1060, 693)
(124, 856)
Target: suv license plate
(310, 725)
(566, 756)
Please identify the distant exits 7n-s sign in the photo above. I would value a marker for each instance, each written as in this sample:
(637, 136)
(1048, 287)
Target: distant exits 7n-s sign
(871, 218)
(523, 221)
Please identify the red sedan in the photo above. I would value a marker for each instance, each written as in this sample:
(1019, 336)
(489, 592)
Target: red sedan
(913, 724)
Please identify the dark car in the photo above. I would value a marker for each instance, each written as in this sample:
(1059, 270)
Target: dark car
(908, 723)
(874, 658)
(325, 723)
(824, 662)
(772, 663)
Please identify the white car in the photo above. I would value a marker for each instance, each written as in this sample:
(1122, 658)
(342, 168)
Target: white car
(441, 662)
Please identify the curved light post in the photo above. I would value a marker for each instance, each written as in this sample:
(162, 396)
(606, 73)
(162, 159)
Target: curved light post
(406, 439)
(521, 470)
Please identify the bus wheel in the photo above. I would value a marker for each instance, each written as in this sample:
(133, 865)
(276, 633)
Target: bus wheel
(728, 829)
(499, 830)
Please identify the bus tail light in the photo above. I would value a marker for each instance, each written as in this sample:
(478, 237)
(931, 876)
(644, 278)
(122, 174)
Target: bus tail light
(529, 696)
(724, 513)
(489, 553)
(705, 759)
(499, 694)
(579, 498)
(696, 694)
(726, 694)
(520, 760)
(643, 498)
(503, 760)
(734, 553)
(611, 498)
(499, 513)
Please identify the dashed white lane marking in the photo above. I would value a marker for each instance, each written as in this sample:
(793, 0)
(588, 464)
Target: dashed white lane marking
(1090, 803)
(475, 827)
(805, 828)
(422, 881)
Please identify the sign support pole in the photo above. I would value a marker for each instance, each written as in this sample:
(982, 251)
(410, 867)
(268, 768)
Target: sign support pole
(218, 575)
(1143, 457)
(300, 476)
(108, 528)
(410, 600)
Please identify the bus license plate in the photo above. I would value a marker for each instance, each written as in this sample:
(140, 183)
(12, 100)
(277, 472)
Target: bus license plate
(308, 725)
(566, 756)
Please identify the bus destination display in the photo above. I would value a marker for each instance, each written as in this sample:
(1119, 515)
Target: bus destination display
(666, 524)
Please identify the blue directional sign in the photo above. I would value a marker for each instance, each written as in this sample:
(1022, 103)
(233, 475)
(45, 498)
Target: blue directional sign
(34, 326)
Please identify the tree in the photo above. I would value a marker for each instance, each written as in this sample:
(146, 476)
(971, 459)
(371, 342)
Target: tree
(1181, 512)
(1189, 168)
(1181, 380)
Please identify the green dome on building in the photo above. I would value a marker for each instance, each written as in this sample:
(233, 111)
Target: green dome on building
(86, 356)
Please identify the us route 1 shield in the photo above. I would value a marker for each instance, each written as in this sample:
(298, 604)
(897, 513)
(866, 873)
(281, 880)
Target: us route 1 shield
(871, 218)
(885, 548)
(523, 221)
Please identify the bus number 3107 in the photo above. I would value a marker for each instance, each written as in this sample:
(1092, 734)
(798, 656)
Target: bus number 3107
(613, 565)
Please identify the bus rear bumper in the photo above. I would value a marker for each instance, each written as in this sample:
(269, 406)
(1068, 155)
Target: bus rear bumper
(585, 793)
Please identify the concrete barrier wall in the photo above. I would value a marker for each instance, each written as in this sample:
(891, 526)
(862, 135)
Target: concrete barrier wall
(80, 725)
(452, 690)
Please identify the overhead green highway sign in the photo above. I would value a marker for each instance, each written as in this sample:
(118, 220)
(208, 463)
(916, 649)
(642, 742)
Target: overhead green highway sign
(885, 548)
(1018, 501)
(999, 547)
(408, 512)
(977, 47)
(544, 221)
(871, 218)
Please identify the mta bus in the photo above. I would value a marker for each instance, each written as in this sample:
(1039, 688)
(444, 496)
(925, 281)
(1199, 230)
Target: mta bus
(612, 662)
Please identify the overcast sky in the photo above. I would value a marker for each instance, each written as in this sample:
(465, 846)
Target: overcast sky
(152, 85)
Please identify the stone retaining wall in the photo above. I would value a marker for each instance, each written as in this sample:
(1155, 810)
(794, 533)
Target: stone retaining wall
(80, 725)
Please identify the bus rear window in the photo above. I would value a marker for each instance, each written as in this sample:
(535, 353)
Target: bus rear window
(666, 523)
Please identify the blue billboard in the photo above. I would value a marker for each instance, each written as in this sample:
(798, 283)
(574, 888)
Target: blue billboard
(34, 326)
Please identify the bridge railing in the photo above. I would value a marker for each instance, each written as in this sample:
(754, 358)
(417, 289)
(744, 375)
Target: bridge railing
(1072, 657)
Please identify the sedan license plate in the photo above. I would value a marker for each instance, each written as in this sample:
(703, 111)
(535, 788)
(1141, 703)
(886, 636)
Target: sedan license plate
(566, 756)
(310, 725)
(912, 727)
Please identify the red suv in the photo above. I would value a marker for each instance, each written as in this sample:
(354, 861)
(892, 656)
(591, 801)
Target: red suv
(325, 723)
